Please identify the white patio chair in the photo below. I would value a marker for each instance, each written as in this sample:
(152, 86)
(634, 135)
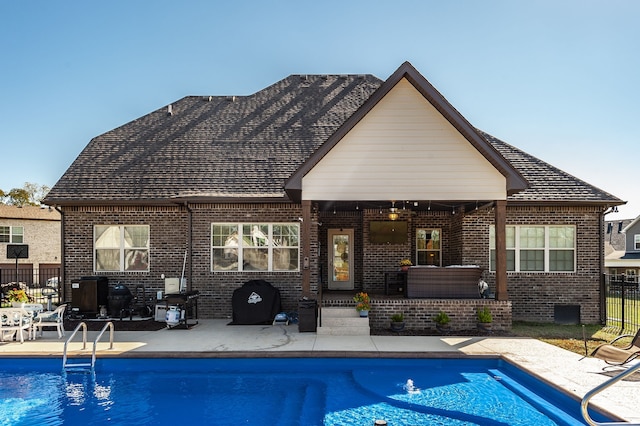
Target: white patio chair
(53, 318)
(14, 322)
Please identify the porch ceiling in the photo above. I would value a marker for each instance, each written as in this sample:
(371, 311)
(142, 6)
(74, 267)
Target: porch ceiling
(415, 205)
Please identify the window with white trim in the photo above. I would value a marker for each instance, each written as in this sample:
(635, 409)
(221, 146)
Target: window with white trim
(12, 234)
(121, 248)
(255, 247)
(428, 248)
(636, 242)
(543, 248)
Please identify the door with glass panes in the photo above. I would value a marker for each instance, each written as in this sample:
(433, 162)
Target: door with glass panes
(340, 257)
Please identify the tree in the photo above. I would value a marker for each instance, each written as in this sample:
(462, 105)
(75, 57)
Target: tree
(31, 194)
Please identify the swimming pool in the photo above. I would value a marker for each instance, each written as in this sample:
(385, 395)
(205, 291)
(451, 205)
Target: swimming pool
(282, 391)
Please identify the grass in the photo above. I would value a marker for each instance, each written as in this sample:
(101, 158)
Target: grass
(569, 337)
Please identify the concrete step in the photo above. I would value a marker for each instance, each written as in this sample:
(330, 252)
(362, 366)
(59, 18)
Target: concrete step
(343, 331)
(343, 322)
(330, 312)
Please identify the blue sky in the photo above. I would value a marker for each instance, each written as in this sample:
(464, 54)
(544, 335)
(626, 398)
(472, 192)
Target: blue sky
(557, 79)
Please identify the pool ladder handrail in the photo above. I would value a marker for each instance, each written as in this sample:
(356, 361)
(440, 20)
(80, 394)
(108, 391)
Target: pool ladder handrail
(66, 365)
(585, 400)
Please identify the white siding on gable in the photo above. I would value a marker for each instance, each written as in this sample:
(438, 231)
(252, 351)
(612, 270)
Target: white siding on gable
(403, 150)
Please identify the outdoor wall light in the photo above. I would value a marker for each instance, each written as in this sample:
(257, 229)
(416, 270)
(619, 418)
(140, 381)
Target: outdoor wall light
(393, 211)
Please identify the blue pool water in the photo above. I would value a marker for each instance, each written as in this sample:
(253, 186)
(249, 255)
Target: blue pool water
(282, 391)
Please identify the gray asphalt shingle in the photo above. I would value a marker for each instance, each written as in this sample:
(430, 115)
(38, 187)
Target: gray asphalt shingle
(248, 146)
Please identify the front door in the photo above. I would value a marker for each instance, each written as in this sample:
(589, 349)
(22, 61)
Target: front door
(340, 259)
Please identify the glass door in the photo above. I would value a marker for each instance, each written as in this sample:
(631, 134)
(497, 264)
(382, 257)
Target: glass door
(340, 259)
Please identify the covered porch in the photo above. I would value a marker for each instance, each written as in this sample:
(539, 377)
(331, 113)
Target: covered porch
(419, 313)
(405, 177)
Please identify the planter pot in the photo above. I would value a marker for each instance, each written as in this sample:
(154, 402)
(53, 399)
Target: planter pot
(364, 313)
(484, 327)
(404, 268)
(443, 328)
(397, 326)
(17, 304)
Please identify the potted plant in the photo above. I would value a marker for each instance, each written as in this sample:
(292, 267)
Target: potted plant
(405, 263)
(17, 297)
(397, 322)
(363, 303)
(442, 321)
(484, 319)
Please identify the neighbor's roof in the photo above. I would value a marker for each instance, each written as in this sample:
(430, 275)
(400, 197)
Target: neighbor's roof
(230, 148)
(29, 213)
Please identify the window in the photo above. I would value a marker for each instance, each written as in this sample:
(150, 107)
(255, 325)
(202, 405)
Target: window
(537, 248)
(636, 242)
(255, 247)
(428, 251)
(12, 234)
(121, 248)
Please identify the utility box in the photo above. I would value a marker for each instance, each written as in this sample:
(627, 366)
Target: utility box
(88, 294)
(307, 315)
(161, 312)
(174, 285)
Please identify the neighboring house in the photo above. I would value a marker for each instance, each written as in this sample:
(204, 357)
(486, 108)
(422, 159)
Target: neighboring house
(298, 184)
(622, 248)
(39, 229)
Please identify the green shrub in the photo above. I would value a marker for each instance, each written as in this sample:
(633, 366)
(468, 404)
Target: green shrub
(441, 318)
(484, 315)
(399, 317)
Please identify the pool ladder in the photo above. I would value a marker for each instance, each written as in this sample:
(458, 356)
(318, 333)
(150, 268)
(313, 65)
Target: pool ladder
(66, 365)
(585, 400)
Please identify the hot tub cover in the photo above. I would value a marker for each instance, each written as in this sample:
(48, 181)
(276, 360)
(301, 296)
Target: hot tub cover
(256, 302)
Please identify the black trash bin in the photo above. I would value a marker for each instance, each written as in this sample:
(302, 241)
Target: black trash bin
(307, 315)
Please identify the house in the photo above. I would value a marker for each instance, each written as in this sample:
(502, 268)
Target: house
(38, 229)
(622, 248)
(323, 183)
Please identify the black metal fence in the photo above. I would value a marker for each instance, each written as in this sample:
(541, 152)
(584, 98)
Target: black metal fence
(41, 285)
(622, 302)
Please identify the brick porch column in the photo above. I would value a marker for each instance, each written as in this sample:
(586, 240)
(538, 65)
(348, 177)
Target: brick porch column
(306, 247)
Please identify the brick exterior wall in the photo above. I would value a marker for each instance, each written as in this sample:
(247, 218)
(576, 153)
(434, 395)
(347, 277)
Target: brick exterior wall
(534, 295)
(464, 240)
(418, 313)
(170, 233)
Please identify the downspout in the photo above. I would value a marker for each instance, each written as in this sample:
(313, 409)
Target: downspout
(61, 281)
(189, 243)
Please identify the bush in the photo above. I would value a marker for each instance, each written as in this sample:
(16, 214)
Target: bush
(399, 317)
(484, 315)
(441, 318)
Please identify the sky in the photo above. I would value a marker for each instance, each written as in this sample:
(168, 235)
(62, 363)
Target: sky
(557, 79)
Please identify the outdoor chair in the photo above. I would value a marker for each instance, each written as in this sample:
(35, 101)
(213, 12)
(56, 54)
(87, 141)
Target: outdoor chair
(14, 322)
(53, 318)
(614, 355)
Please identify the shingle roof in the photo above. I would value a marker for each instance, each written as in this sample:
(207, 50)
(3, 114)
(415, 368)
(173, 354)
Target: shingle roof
(246, 147)
(240, 146)
(548, 183)
(28, 213)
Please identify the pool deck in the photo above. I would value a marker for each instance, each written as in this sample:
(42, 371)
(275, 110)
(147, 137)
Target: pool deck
(214, 338)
